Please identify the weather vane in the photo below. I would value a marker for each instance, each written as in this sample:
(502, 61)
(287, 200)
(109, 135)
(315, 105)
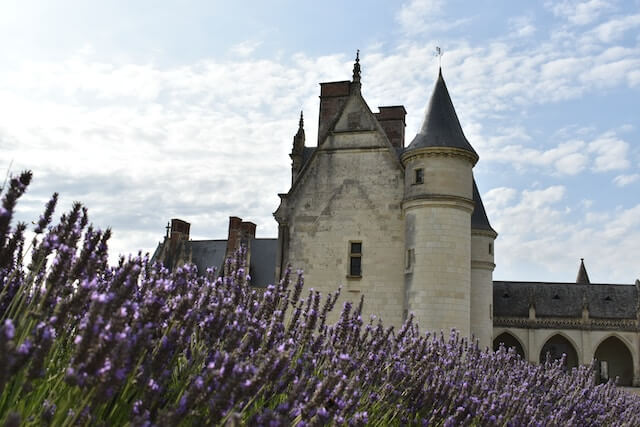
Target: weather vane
(439, 54)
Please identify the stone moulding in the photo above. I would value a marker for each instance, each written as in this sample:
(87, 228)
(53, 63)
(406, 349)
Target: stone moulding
(439, 152)
(483, 265)
(480, 232)
(629, 325)
(438, 200)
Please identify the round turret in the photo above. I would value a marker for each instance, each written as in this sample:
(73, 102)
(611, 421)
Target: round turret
(437, 206)
(482, 266)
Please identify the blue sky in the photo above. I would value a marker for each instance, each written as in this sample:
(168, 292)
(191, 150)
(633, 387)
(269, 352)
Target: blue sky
(149, 110)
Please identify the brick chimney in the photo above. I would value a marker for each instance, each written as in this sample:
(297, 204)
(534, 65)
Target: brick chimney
(392, 121)
(240, 234)
(333, 96)
(179, 229)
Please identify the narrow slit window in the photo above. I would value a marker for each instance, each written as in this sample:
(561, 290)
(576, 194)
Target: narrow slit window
(490, 248)
(419, 176)
(410, 257)
(355, 259)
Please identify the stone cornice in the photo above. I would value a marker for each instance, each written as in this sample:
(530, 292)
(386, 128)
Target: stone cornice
(480, 232)
(438, 200)
(374, 148)
(439, 152)
(564, 323)
(483, 265)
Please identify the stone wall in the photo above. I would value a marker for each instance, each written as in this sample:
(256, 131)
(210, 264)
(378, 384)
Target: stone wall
(482, 265)
(352, 191)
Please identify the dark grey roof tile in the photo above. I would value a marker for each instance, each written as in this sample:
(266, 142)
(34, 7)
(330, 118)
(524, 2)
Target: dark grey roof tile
(441, 127)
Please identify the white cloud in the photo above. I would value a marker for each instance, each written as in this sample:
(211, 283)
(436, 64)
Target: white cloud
(522, 26)
(615, 29)
(566, 158)
(421, 16)
(579, 12)
(245, 48)
(624, 180)
(538, 233)
(611, 153)
(141, 142)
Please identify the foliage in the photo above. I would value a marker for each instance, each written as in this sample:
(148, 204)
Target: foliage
(84, 343)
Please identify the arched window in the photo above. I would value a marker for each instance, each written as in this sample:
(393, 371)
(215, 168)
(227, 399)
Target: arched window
(508, 341)
(556, 346)
(613, 359)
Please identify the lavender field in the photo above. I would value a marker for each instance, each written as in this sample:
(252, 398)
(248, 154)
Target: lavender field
(86, 343)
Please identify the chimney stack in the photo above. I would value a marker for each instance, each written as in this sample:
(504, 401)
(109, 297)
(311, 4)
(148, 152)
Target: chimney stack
(333, 96)
(241, 233)
(392, 121)
(179, 229)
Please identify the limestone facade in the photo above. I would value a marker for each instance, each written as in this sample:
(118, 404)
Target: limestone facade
(405, 227)
(408, 209)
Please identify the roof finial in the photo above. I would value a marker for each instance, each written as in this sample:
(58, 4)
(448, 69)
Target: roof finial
(439, 54)
(356, 68)
(301, 123)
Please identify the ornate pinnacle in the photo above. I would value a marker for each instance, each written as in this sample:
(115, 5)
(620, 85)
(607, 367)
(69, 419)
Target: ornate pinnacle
(301, 124)
(356, 68)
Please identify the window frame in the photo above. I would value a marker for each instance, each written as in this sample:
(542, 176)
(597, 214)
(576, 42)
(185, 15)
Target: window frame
(351, 256)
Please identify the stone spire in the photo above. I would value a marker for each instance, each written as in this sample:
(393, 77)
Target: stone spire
(583, 277)
(300, 133)
(441, 127)
(356, 73)
(297, 150)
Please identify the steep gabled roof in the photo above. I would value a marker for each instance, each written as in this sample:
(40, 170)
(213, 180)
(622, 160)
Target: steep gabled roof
(441, 127)
(479, 220)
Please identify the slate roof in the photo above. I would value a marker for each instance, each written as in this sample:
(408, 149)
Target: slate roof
(441, 127)
(604, 301)
(263, 262)
(479, 220)
(210, 253)
(207, 254)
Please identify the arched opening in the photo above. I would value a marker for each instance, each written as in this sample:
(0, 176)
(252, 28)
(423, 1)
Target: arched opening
(509, 341)
(613, 359)
(556, 346)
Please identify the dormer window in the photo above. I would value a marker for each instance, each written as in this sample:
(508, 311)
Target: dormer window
(419, 178)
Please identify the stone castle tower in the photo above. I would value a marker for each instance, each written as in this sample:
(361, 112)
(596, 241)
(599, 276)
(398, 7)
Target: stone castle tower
(448, 286)
(403, 226)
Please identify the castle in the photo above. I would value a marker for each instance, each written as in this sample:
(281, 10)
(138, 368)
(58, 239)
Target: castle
(405, 226)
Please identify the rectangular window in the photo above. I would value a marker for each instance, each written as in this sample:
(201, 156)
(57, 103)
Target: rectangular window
(355, 259)
(490, 249)
(419, 176)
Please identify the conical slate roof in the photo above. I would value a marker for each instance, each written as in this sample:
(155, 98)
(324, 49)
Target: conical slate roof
(441, 127)
(479, 220)
(583, 277)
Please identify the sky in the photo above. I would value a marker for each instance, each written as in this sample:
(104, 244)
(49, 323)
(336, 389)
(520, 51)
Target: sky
(151, 110)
